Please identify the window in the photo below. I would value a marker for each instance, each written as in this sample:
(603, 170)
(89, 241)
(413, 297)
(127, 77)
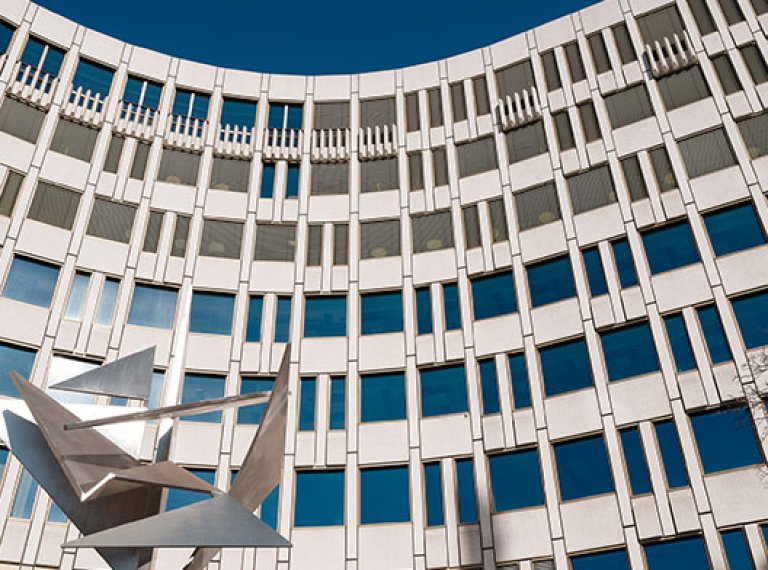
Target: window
(526, 142)
(90, 76)
(443, 391)
(6, 35)
(537, 206)
(111, 220)
(551, 281)
(575, 63)
(432, 232)
(238, 113)
(482, 100)
(283, 319)
(211, 313)
(755, 62)
(152, 232)
(423, 311)
(221, 239)
(292, 181)
(498, 215)
(518, 373)
(338, 407)
(523, 468)
(433, 494)
(599, 52)
(54, 205)
(563, 130)
(31, 281)
(624, 44)
(661, 23)
(551, 73)
(751, 313)
(180, 234)
(727, 74)
(582, 468)
(26, 495)
(754, 131)
(379, 175)
(253, 325)
(662, 169)
(191, 104)
(412, 122)
(325, 316)
(334, 115)
(633, 175)
(153, 307)
(115, 150)
(415, 171)
(307, 403)
(734, 229)
(714, 335)
(380, 239)
(382, 397)
(670, 247)
(385, 495)
(493, 295)
(565, 367)
(14, 358)
(435, 106)
(671, 454)
(178, 167)
(284, 116)
(329, 179)
(74, 139)
(610, 560)
(489, 386)
(760, 6)
(178, 498)
(703, 16)
(628, 106)
(465, 482)
(458, 102)
(314, 246)
(381, 312)
(269, 507)
(679, 553)
(451, 309)
(683, 88)
(267, 180)
(106, 310)
(142, 92)
(736, 550)
(707, 153)
(20, 120)
(139, 164)
(589, 122)
(595, 275)
(198, 387)
(440, 166)
(471, 226)
(252, 414)
(319, 498)
(515, 78)
(477, 156)
(77, 296)
(680, 343)
(10, 192)
(275, 242)
(378, 112)
(725, 439)
(629, 351)
(637, 466)
(230, 174)
(591, 189)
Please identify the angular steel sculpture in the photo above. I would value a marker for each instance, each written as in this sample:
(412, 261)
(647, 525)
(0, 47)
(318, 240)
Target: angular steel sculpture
(115, 500)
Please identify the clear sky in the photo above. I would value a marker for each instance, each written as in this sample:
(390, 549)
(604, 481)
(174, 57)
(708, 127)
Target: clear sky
(312, 37)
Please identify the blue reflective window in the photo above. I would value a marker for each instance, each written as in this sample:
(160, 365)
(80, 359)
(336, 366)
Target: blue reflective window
(253, 325)
(283, 319)
(381, 312)
(325, 316)
(269, 508)
(77, 296)
(670, 247)
(26, 493)
(92, 76)
(565, 367)
(178, 498)
(629, 351)
(238, 113)
(294, 118)
(33, 51)
(382, 397)
(521, 390)
(734, 229)
(714, 335)
(451, 308)
(465, 481)
(736, 550)
(292, 181)
(443, 391)
(6, 34)
(489, 385)
(680, 343)
(752, 315)
(726, 439)
(551, 281)
(625, 264)
(107, 301)
(433, 494)
(523, 468)
(276, 116)
(31, 282)
(319, 498)
(252, 414)
(675, 554)
(384, 495)
(611, 560)
(268, 181)
(133, 92)
(595, 274)
(188, 103)
(637, 467)
(338, 415)
(152, 306)
(671, 454)
(56, 515)
(211, 313)
(493, 295)
(3, 460)
(423, 311)
(307, 404)
(202, 387)
(582, 468)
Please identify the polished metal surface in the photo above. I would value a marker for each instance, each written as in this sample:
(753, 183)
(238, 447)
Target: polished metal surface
(163, 474)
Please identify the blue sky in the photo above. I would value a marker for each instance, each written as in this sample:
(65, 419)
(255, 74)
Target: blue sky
(316, 37)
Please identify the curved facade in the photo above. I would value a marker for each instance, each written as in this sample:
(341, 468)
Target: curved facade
(526, 287)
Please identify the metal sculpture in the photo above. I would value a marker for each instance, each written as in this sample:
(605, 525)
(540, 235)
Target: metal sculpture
(115, 500)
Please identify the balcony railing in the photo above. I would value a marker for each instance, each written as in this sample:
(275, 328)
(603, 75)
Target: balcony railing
(670, 54)
(136, 120)
(33, 85)
(235, 141)
(521, 108)
(85, 107)
(283, 144)
(330, 145)
(186, 132)
(377, 142)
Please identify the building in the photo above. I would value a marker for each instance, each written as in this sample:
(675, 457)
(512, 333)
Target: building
(526, 286)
